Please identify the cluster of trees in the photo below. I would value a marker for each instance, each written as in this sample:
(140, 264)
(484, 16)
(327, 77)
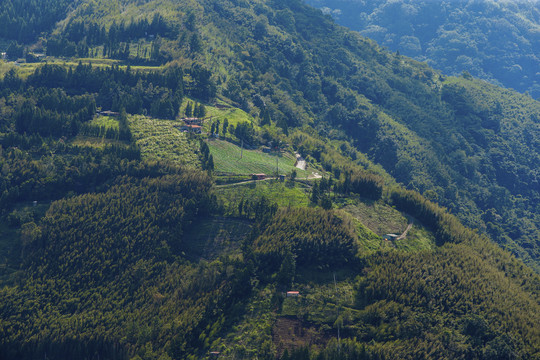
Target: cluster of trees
(311, 235)
(80, 38)
(259, 209)
(158, 94)
(320, 192)
(24, 20)
(364, 184)
(38, 170)
(207, 159)
(120, 251)
(94, 33)
(448, 297)
(53, 113)
(214, 128)
(195, 110)
(145, 216)
(122, 134)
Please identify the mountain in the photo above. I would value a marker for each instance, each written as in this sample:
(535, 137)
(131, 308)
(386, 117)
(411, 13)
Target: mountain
(470, 146)
(493, 40)
(124, 233)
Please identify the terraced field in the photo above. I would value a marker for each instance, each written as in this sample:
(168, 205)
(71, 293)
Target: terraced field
(160, 140)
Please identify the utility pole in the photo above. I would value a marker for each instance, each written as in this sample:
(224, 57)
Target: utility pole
(277, 160)
(337, 306)
(242, 149)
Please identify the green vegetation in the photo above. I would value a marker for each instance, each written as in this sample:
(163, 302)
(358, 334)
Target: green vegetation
(105, 122)
(283, 194)
(377, 216)
(491, 40)
(24, 20)
(232, 114)
(150, 243)
(162, 140)
(377, 107)
(377, 219)
(227, 159)
(214, 237)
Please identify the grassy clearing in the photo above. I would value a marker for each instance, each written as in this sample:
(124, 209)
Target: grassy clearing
(25, 69)
(5, 67)
(102, 62)
(105, 121)
(94, 142)
(252, 334)
(284, 194)
(320, 298)
(376, 219)
(234, 115)
(377, 216)
(160, 140)
(418, 238)
(368, 241)
(227, 159)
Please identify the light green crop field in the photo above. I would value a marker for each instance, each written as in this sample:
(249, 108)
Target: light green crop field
(25, 69)
(227, 159)
(282, 193)
(215, 113)
(105, 121)
(5, 67)
(160, 140)
(234, 115)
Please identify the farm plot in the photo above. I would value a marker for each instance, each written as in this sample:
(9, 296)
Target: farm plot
(160, 140)
(229, 158)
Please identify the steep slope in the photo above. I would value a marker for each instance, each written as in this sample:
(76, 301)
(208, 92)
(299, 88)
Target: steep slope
(292, 62)
(494, 40)
(138, 257)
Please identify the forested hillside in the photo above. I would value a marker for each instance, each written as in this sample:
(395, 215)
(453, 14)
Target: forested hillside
(496, 41)
(132, 225)
(470, 146)
(24, 20)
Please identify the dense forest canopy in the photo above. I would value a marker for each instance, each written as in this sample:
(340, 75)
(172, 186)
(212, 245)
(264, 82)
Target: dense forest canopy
(493, 40)
(130, 227)
(24, 20)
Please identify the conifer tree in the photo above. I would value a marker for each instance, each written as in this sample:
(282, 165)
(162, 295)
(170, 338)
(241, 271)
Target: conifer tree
(189, 110)
(225, 126)
(315, 193)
